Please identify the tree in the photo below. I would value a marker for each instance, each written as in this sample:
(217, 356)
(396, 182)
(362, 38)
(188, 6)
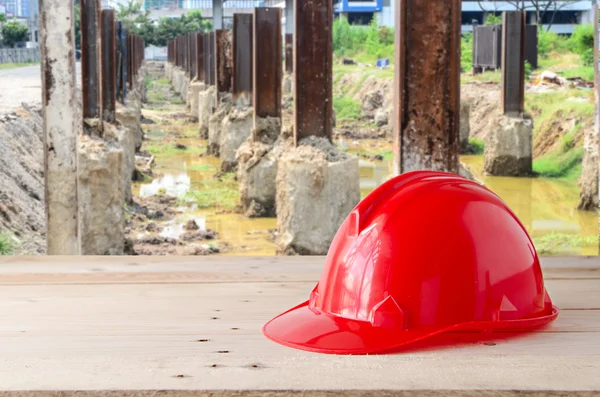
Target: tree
(2, 19)
(77, 21)
(13, 33)
(542, 8)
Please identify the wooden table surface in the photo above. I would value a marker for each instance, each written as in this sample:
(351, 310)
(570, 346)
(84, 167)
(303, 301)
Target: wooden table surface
(192, 326)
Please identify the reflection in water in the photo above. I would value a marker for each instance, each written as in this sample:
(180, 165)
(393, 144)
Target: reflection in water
(173, 184)
(544, 206)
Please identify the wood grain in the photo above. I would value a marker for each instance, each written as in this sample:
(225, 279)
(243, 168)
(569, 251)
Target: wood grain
(180, 326)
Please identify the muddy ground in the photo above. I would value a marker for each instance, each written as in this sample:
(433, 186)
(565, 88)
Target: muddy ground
(203, 219)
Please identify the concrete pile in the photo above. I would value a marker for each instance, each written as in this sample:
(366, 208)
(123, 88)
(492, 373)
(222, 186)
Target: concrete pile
(257, 160)
(317, 187)
(508, 149)
(235, 130)
(106, 165)
(590, 200)
(215, 124)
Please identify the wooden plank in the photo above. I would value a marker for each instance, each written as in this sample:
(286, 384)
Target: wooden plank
(143, 337)
(133, 270)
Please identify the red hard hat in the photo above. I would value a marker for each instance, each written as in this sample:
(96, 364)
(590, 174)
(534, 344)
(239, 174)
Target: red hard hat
(425, 253)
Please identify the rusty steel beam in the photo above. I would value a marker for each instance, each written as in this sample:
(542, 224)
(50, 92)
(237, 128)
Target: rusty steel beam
(212, 64)
(90, 61)
(200, 61)
(313, 57)
(242, 56)
(129, 61)
(427, 86)
(289, 53)
(109, 70)
(268, 64)
(223, 60)
(61, 125)
(207, 61)
(193, 55)
(124, 63)
(513, 62)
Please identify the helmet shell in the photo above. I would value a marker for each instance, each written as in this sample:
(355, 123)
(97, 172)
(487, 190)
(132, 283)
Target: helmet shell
(424, 253)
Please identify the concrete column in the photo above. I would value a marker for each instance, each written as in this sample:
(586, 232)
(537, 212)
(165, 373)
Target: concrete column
(61, 126)
(100, 156)
(317, 185)
(427, 86)
(589, 182)
(509, 148)
(223, 75)
(217, 14)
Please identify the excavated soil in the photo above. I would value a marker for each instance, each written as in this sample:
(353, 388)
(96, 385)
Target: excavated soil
(22, 210)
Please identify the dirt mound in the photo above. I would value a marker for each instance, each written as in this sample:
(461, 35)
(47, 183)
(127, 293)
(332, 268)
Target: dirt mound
(484, 99)
(22, 211)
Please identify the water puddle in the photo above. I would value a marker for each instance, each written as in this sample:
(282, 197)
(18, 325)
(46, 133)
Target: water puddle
(546, 207)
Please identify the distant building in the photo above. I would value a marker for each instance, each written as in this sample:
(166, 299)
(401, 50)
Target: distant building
(568, 15)
(11, 7)
(26, 7)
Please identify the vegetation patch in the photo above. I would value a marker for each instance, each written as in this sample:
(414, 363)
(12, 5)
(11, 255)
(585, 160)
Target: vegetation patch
(346, 108)
(177, 101)
(6, 245)
(222, 194)
(550, 106)
(562, 164)
(557, 243)
(363, 44)
(156, 97)
(476, 146)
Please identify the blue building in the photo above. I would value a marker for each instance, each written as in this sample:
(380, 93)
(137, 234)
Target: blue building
(563, 16)
(25, 8)
(360, 12)
(11, 7)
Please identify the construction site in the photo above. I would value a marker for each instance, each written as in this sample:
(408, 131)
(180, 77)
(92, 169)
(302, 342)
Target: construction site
(429, 215)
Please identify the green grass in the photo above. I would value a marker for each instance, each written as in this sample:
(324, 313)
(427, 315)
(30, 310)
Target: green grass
(359, 85)
(369, 71)
(223, 195)
(177, 101)
(16, 65)
(553, 244)
(477, 146)
(563, 165)
(6, 245)
(191, 133)
(346, 108)
(547, 107)
(156, 97)
(491, 77)
(584, 72)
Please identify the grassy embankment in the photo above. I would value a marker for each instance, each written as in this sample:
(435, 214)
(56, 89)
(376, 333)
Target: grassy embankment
(568, 57)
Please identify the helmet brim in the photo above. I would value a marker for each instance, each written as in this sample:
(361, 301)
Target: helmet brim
(303, 329)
